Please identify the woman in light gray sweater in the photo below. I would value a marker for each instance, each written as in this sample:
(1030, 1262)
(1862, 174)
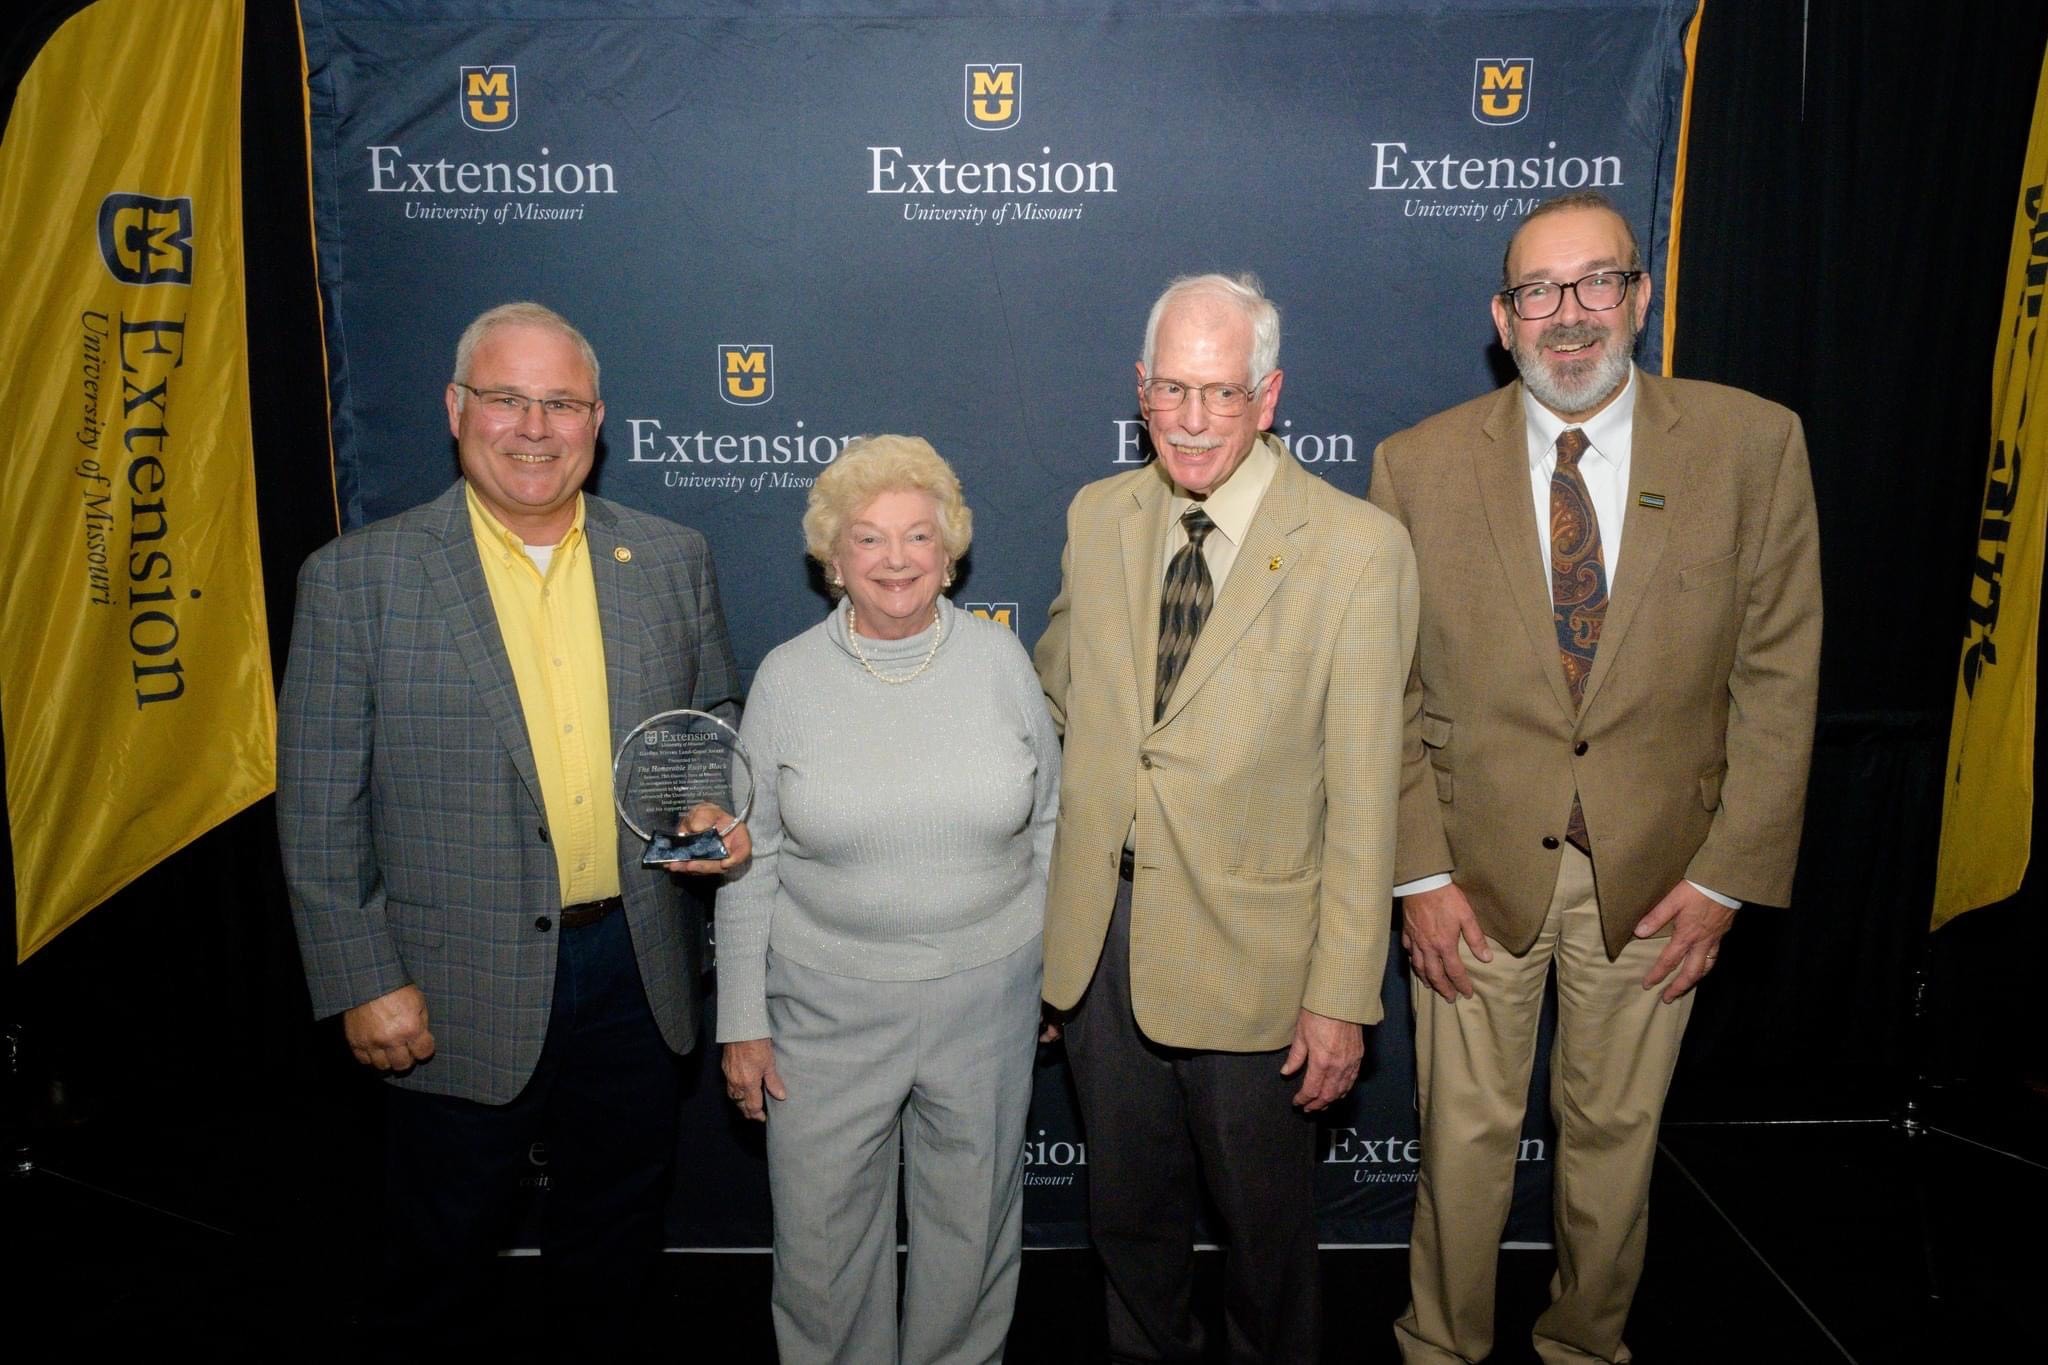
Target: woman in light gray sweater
(878, 960)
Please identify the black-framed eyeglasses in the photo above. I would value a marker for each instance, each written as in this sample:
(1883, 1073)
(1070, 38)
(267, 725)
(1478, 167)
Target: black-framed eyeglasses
(1596, 293)
(503, 405)
(1221, 400)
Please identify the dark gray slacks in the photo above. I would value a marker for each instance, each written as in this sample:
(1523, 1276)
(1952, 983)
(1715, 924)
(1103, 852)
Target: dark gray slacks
(1162, 1125)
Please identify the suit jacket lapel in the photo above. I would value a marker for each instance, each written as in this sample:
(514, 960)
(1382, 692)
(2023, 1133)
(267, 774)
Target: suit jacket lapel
(618, 614)
(456, 573)
(1502, 468)
(1655, 463)
(1143, 529)
(1253, 581)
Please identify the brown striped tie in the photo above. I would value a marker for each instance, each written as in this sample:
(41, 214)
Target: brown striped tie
(1578, 586)
(1183, 605)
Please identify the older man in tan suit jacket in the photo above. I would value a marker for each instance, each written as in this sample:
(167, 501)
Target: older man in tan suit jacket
(1593, 781)
(1226, 659)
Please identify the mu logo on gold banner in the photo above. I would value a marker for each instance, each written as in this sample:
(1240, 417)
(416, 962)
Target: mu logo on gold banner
(488, 97)
(145, 240)
(746, 374)
(995, 95)
(1500, 89)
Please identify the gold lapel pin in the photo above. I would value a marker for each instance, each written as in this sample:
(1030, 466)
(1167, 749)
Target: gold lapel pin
(1651, 499)
(1273, 564)
(622, 554)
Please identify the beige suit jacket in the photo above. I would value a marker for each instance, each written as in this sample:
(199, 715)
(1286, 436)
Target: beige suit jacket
(1689, 749)
(1265, 799)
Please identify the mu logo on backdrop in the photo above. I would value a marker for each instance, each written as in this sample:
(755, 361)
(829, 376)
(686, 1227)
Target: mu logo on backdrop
(1500, 88)
(995, 95)
(746, 374)
(1002, 613)
(145, 240)
(488, 97)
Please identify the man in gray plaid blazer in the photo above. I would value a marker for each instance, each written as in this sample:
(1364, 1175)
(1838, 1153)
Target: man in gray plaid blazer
(465, 897)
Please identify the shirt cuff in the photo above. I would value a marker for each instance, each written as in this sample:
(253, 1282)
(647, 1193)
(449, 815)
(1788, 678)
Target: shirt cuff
(1435, 880)
(1714, 895)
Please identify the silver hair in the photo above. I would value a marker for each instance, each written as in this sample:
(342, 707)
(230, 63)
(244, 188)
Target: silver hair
(520, 315)
(1242, 290)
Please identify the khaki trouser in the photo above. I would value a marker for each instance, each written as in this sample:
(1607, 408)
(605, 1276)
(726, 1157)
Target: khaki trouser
(1611, 1065)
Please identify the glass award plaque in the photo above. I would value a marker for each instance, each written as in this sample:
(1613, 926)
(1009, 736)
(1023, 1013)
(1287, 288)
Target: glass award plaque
(670, 765)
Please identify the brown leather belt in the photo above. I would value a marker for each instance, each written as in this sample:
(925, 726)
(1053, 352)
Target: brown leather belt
(590, 912)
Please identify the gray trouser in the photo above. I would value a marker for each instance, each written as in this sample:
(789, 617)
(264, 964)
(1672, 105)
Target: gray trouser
(942, 1070)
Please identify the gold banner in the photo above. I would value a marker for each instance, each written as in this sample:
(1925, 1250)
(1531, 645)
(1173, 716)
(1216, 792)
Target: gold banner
(1987, 809)
(135, 689)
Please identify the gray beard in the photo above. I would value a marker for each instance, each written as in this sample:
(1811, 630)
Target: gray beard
(1576, 388)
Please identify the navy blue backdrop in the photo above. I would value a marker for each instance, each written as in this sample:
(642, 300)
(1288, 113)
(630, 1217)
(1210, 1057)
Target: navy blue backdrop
(785, 226)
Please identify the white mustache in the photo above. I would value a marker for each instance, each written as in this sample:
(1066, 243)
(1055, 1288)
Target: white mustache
(1185, 442)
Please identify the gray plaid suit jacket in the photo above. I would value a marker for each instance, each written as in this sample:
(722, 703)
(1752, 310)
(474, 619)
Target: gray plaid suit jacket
(415, 841)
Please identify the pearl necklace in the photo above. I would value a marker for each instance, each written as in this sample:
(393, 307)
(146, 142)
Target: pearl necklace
(853, 638)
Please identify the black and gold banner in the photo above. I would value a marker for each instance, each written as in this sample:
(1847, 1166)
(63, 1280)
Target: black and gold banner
(135, 685)
(1987, 812)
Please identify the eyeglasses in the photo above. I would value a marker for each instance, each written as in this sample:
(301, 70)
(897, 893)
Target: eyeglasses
(1222, 400)
(1596, 293)
(502, 405)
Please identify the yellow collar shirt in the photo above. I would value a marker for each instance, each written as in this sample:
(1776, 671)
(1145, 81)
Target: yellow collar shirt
(1231, 507)
(548, 618)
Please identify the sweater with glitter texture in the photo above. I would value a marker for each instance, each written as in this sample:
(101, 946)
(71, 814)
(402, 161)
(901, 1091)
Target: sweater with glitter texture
(901, 832)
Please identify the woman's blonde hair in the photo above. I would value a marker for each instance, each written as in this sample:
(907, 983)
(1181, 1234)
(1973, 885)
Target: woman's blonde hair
(871, 466)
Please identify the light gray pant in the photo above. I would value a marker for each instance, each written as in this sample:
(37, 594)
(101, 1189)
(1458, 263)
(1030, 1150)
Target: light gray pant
(940, 1070)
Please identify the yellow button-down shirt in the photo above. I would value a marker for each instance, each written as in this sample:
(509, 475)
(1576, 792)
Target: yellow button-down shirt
(556, 647)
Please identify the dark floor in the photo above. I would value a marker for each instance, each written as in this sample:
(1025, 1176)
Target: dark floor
(1841, 1241)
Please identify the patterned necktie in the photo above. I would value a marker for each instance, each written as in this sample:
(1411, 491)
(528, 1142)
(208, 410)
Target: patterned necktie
(1578, 585)
(1183, 606)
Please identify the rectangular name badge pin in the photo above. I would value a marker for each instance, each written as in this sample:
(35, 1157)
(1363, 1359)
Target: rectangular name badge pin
(1655, 500)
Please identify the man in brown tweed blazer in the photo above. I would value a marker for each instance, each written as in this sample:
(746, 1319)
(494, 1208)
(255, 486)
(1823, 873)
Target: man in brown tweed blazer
(1217, 919)
(1607, 740)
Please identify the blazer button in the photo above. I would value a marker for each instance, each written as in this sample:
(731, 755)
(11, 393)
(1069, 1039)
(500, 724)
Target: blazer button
(1550, 841)
(543, 924)
(1144, 760)
(543, 833)
(1580, 748)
